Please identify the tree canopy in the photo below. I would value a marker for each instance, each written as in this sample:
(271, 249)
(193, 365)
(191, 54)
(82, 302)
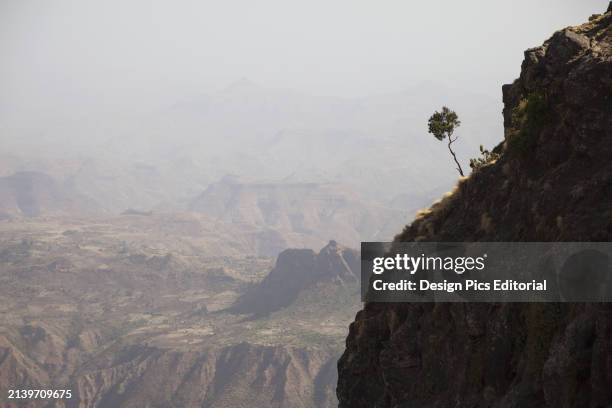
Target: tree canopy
(442, 125)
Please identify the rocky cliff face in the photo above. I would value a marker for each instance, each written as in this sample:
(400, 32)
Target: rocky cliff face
(552, 182)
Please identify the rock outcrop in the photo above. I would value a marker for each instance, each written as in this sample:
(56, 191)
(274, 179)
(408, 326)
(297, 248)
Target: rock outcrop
(297, 270)
(552, 182)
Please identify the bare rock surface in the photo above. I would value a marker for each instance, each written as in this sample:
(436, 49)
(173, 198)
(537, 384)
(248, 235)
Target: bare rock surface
(553, 182)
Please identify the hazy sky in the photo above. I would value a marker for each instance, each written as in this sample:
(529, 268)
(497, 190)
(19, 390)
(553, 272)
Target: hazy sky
(82, 55)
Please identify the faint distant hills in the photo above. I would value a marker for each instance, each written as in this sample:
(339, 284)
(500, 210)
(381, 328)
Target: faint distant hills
(378, 145)
(301, 213)
(32, 194)
(271, 216)
(310, 168)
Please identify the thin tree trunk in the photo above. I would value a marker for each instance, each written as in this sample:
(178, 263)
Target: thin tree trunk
(459, 169)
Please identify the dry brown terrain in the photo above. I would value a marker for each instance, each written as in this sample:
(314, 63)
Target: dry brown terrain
(132, 311)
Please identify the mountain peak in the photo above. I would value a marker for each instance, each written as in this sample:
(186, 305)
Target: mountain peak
(297, 270)
(332, 245)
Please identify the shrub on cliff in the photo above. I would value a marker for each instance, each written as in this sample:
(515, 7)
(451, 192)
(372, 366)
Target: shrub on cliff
(528, 119)
(486, 158)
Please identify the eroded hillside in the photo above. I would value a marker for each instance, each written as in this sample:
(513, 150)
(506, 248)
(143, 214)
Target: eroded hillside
(134, 311)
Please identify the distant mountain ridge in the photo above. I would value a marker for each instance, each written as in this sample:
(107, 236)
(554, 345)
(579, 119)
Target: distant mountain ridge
(298, 212)
(31, 194)
(376, 144)
(272, 216)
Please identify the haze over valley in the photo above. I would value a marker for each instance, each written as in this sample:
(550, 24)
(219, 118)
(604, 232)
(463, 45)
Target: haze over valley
(187, 256)
(184, 187)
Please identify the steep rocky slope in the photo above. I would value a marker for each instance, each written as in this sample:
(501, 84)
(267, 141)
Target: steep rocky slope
(137, 375)
(553, 182)
(237, 375)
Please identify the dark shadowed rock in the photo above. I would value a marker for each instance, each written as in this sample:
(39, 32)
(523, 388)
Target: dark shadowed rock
(295, 271)
(553, 182)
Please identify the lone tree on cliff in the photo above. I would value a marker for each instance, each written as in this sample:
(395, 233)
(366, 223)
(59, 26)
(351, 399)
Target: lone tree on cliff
(442, 125)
